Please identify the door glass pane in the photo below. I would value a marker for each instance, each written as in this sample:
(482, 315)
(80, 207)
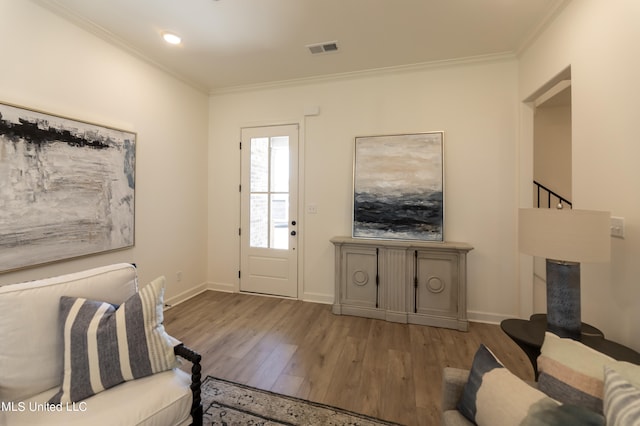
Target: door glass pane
(269, 193)
(280, 164)
(280, 221)
(259, 164)
(259, 217)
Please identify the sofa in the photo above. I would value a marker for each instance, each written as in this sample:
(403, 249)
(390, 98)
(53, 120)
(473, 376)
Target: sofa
(89, 348)
(577, 385)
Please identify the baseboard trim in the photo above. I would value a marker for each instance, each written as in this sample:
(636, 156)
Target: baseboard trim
(185, 295)
(326, 299)
(487, 317)
(224, 287)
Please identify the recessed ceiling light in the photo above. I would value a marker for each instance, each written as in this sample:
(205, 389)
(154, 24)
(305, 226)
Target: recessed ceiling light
(171, 38)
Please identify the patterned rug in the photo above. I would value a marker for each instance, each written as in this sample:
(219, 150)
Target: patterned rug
(227, 403)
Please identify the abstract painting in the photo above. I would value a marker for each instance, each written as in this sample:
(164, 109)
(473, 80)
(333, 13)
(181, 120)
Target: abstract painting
(67, 188)
(398, 187)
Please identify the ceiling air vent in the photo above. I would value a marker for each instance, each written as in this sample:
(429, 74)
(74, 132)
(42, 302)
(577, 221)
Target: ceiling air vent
(326, 47)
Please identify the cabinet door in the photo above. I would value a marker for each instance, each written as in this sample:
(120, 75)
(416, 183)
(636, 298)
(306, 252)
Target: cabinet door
(436, 292)
(360, 268)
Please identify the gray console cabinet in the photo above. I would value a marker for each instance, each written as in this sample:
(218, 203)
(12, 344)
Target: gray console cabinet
(402, 281)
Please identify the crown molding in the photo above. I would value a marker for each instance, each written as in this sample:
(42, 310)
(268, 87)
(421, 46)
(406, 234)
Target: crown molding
(375, 72)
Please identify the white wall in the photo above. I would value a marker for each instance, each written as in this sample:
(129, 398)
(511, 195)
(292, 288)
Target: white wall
(599, 40)
(51, 65)
(475, 104)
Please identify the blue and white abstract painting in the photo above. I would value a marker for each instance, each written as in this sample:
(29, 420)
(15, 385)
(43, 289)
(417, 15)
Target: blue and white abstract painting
(67, 188)
(398, 187)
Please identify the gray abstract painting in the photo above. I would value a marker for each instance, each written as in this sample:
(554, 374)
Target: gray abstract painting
(398, 187)
(67, 188)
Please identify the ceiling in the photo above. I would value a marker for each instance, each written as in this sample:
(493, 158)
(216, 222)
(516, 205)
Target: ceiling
(229, 44)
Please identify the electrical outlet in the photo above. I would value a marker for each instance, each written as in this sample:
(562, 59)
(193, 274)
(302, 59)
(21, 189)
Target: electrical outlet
(617, 227)
(312, 208)
(179, 276)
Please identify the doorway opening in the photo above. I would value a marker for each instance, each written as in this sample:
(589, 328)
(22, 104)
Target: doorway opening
(552, 161)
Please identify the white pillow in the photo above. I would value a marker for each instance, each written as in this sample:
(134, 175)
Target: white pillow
(621, 399)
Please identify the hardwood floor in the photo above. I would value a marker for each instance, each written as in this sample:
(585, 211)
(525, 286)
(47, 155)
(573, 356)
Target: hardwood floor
(381, 369)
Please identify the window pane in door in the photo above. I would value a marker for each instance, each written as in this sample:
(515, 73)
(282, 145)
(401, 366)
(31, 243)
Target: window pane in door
(280, 164)
(259, 218)
(280, 221)
(259, 164)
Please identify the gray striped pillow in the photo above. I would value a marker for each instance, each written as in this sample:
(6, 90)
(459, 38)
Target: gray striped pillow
(105, 345)
(621, 400)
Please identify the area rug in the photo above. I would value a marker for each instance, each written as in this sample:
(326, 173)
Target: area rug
(227, 403)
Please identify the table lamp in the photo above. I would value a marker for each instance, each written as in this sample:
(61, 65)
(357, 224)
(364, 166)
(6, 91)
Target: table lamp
(564, 238)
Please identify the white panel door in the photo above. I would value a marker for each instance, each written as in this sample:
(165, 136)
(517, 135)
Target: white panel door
(269, 223)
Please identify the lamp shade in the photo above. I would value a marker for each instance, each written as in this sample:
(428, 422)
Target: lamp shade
(565, 235)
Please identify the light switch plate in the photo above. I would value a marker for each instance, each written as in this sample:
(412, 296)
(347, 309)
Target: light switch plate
(617, 227)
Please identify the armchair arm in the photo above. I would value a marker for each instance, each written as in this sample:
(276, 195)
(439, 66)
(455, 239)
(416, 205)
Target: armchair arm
(195, 358)
(453, 381)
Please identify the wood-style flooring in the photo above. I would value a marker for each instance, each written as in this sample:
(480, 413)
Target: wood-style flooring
(386, 370)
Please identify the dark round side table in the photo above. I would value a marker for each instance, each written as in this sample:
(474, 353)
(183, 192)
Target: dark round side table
(529, 336)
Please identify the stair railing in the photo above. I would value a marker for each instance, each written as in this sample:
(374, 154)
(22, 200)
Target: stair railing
(551, 195)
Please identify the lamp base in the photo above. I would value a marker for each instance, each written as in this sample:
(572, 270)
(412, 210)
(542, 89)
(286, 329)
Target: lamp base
(563, 298)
